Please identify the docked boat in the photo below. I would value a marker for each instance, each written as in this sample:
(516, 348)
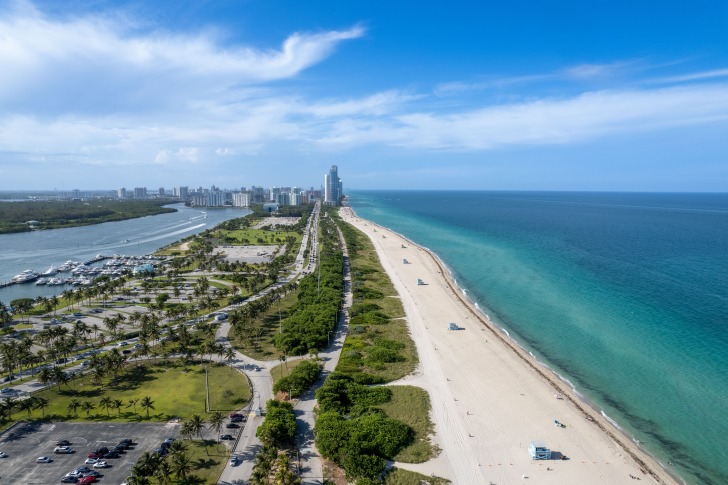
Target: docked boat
(25, 277)
(50, 271)
(41, 281)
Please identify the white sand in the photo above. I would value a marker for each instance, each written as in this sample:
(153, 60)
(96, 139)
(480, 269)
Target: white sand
(490, 399)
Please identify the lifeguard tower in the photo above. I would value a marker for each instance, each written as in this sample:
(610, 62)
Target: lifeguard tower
(538, 451)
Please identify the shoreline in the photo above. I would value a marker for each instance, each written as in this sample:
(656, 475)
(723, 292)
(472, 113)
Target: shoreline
(636, 458)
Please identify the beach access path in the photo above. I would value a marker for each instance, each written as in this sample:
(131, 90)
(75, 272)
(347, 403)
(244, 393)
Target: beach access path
(490, 399)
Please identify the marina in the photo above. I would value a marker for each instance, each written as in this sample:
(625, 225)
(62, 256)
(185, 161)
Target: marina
(63, 250)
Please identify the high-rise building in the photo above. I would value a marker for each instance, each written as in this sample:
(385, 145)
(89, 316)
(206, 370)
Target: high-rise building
(161, 191)
(332, 186)
(121, 193)
(241, 199)
(140, 192)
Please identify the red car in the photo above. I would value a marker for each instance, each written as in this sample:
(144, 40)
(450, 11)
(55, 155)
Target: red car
(94, 455)
(87, 479)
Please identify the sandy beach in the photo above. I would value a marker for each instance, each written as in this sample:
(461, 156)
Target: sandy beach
(490, 399)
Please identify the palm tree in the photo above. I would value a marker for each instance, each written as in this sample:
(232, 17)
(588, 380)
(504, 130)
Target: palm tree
(41, 403)
(133, 402)
(163, 473)
(148, 463)
(27, 405)
(229, 355)
(147, 404)
(181, 465)
(217, 419)
(88, 406)
(138, 476)
(197, 425)
(73, 406)
(116, 404)
(106, 402)
(177, 447)
(186, 431)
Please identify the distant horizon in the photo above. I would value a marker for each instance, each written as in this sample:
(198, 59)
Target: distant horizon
(21, 191)
(559, 96)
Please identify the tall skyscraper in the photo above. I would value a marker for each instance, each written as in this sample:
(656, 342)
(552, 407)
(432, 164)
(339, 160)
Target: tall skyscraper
(332, 186)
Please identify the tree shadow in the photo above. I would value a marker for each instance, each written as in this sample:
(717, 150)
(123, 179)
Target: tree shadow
(206, 464)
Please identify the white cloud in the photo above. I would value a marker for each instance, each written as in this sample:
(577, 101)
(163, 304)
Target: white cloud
(547, 121)
(103, 64)
(184, 154)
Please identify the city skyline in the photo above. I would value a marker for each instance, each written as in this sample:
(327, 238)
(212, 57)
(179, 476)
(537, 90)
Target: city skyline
(556, 96)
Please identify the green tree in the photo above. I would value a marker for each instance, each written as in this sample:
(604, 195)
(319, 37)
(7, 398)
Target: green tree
(106, 402)
(147, 403)
(182, 466)
(73, 406)
(41, 403)
(279, 426)
(216, 420)
(88, 406)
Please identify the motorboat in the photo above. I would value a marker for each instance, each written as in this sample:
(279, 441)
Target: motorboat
(41, 281)
(50, 271)
(25, 277)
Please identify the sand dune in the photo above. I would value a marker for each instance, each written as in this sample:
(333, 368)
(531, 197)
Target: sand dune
(490, 399)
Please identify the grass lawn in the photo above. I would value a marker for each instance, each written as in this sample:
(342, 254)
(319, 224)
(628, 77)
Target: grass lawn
(176, 390)
(405, 477)
(207, 464)
(411, 405)
(361, 341)
(257, 237)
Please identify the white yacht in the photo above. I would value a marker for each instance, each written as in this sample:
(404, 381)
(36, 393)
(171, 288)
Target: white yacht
(50, 271)
(25, 277)
(41, 281)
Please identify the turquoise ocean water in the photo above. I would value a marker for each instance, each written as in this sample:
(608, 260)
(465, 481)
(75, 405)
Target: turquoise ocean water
(625, 295)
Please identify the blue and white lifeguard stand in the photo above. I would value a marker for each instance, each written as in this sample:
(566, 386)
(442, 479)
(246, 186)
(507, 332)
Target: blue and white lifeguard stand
(539, 451)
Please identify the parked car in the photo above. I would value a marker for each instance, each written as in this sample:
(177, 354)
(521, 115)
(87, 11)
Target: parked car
(3, 455)
(7, 390)
(228, 437)
(87, 479)
(101, 464)
(94, 455)
(91, 461)
(69, 479)
(102, 450)
(232, 425)
(63, 443)
(112, 454)
(233, 460)
(44, 459)
(63, 449)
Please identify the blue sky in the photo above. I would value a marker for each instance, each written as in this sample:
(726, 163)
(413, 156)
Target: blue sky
(534, 95)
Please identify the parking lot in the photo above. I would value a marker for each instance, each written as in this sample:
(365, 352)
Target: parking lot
(25, 442)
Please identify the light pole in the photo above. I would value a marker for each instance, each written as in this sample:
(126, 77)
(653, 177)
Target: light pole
(207, 391)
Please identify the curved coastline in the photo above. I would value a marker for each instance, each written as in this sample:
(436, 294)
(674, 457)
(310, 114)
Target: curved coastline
(647, 463)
